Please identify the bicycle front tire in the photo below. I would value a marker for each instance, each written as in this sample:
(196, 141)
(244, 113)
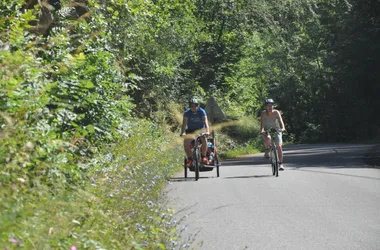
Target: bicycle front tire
(184, 167)
(216, 162)
(272, 161)
(197, 163)
(276, 161)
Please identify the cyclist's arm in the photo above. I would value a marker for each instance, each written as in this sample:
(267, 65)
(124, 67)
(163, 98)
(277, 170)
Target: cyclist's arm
(184, 124)
(281, 121)
(262, 122)
(205, 121)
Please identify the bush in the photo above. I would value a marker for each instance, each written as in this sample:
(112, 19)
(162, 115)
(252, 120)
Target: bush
(76, 168)
(117, 204)
(238, 137)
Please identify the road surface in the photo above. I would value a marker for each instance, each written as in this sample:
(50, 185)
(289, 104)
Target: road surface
(327, 198)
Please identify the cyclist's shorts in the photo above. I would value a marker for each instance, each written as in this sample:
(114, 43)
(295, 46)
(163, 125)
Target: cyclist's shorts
(278, 138)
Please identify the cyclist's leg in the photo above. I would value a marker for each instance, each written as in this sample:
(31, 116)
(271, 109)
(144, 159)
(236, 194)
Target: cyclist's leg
(186, 145)
(204, 150)
(279, 146)
(267, 142)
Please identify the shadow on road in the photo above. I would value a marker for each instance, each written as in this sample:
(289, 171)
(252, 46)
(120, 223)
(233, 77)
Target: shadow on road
(248, 176)
(332, 173)
(300, 156)
(246, 160)
(183, 179)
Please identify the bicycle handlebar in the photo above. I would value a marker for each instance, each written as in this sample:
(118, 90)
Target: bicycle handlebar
(271, 130)
(192, 135)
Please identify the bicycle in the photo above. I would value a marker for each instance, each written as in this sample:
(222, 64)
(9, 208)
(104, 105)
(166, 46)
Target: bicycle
(195, 146)
(273, 154)
(212, 156)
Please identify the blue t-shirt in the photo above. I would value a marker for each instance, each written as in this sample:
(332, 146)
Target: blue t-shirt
(195, 121)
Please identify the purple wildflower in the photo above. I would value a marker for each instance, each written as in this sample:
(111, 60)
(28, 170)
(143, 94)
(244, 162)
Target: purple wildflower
(13, 240)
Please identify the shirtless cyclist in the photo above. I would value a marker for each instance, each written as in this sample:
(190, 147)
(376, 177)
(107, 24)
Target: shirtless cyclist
(271, 118)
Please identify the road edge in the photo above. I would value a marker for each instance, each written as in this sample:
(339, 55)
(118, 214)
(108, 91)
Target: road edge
(372, 157)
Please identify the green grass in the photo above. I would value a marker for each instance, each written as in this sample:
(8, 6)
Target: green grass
(118, 206)
(244, 150)
(241, 138)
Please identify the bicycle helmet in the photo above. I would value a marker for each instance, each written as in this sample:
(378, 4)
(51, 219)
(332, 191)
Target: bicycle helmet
(269, 101)
(193, 101)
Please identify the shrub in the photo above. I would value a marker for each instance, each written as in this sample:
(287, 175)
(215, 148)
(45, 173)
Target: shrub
(117, 204)
(76, 168)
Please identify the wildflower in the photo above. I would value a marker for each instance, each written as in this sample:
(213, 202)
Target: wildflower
(29, 145)
(184, 228)
(21, 180)
(173, 241)
(73, 248)
(13, 240)
(75, 222)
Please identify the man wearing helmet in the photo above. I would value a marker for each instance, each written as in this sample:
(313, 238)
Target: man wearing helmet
(194, 118)
(271, 118)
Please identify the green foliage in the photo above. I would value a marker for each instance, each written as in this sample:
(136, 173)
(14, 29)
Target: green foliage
(65, 116)
(74, 101)
(117, 207)
(244, 129)
(241, 150)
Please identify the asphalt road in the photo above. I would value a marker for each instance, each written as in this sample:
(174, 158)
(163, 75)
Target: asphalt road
(327, 198)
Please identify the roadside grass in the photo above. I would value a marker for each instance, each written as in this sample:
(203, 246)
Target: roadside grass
(243, 150)
(241, 138)
(118, 205)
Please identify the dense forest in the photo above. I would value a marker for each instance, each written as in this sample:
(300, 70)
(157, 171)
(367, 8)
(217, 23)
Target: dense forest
(91, 95)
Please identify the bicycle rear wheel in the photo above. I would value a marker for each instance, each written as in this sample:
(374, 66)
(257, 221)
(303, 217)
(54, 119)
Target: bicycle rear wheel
(276, 161)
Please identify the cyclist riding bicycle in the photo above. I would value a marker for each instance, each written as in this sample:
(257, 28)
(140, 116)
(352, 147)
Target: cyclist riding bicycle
(195, 118)
(271, 118)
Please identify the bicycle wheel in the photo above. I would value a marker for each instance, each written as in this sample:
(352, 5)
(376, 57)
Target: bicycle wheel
(184, 167)
(197, 163)
(216, 162)
(271, 160)
(276, 161)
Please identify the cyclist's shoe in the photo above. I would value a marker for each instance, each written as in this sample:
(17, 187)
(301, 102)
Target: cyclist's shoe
(281, 167)
(266, 154)
(204, 160)
(189, 162)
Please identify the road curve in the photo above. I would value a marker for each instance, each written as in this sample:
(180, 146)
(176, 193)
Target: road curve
(326, 198)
